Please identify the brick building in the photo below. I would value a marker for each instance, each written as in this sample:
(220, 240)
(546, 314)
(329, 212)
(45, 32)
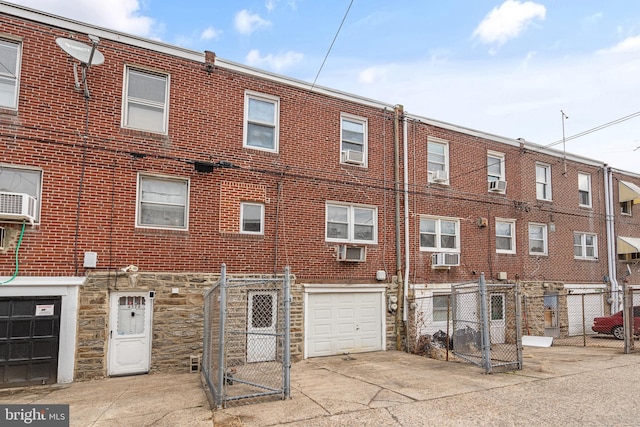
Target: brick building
(139, 178)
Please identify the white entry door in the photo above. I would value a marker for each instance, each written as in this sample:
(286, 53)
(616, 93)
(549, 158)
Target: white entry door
(497, 318)
(130, 333)
(262, 320)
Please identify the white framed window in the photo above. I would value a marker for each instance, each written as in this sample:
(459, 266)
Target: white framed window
(353, 140)
(251, 218)
(351, 223)
(16, 179)
(163, 202)
(10, 53)
(439, 234)
(441, 306)
(495, 166)
(626, 208)
(261, 121)
(584, 189)
(505, 236)
(585, 246)
(438, 160)
(538, 244)
(146, 100)
(543, 181)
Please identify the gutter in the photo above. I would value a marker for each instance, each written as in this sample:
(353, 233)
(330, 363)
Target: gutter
(405, 153)
(611, 236)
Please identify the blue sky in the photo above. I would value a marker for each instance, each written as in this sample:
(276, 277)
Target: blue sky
(503, 67)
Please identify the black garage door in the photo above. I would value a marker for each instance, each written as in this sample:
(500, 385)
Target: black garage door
(29, 335)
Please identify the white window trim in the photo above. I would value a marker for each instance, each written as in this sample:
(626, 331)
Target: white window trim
(433, 308)
(125, 98)
(627, 203)
(39, 195)
(17, 75)
(584, 246)
(365, 144)
(438, 219)
(512, 222)
(351, 223)
(446, 160)
(276, 120)
(242, 205)
(167, 178)
(590, 204)
(548, 182)
(545, 239)
(501, 157)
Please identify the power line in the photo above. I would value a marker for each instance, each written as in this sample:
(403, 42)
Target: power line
(595, 129)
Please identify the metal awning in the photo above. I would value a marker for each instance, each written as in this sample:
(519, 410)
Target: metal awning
(628, 191)
(628, 245)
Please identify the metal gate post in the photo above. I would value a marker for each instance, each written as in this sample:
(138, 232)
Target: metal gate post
(484, 317)
(223, 315)
(518, 302)
(287, 332)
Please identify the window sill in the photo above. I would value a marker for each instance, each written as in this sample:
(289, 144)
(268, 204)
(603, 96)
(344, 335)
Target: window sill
(161, 232)
(242, 236)
(145, 134)
(8, 112)
(586, 259)
(538, 254)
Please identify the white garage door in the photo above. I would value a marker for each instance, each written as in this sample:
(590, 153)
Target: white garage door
(338, 323)
(593, 307)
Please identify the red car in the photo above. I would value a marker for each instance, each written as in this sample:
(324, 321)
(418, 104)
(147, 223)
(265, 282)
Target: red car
(613, 324)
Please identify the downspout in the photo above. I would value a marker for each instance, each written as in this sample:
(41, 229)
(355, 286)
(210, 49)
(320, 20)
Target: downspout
(396, 186)
(405, 156)
(611, 238)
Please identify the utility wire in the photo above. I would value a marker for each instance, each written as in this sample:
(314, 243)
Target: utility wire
(595, 129)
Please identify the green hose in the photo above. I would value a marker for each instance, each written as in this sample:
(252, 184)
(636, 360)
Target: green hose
(15, 274)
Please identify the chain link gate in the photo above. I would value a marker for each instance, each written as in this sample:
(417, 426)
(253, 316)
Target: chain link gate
(486, 325)
(246, 356)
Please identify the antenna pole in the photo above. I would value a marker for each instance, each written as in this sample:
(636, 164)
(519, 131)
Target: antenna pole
(564, 148)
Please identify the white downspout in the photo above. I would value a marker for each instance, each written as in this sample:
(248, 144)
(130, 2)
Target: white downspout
(405, 165)
(611, 236)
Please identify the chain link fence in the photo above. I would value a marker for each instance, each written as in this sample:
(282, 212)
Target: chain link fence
(246, 355)
(478, 322)
(574, 317)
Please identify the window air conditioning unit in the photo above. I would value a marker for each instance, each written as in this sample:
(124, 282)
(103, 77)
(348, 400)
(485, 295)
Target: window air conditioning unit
(351, 253)
(440, 176)
(353, 157)
(441, 260)
(17, 206)
(498, 186)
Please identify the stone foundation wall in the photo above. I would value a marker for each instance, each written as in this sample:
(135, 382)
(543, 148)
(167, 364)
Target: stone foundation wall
(177, 322)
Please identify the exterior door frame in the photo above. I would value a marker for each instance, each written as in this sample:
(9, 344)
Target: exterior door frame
(145, 346)
(497, 327)
(261, 341)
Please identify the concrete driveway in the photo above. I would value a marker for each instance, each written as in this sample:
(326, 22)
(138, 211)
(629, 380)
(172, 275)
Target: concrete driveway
(568, 386)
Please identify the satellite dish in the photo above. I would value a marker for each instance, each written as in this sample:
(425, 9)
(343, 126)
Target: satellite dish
(80, 51)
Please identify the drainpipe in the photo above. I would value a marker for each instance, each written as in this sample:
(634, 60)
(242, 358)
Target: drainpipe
(398, 110)
(611, 236)
(405, 156)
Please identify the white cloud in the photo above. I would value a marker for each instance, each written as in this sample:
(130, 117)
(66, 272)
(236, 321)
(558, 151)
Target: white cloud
(120, 15)
(628, 45)
(270, 5)
(507, 21)
(210, 33)
(277, 62)
(371, 75)
(247, 22)
(592, 19)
